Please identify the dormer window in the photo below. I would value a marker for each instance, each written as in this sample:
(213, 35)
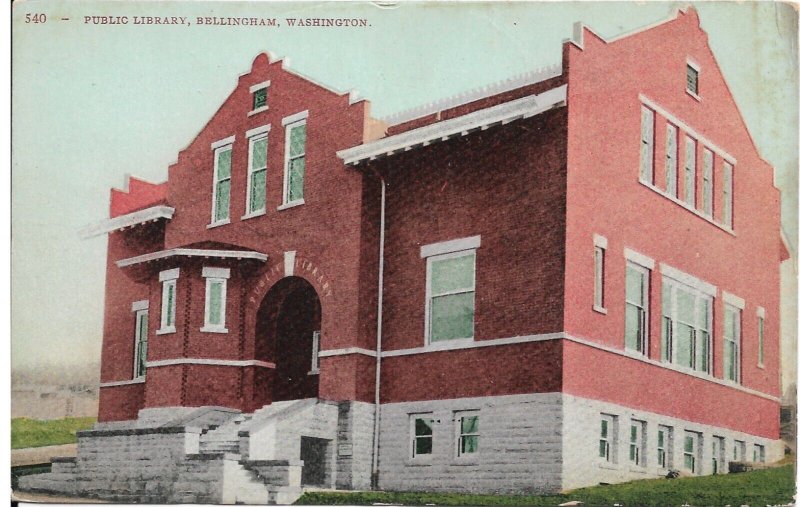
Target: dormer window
(259, 97)
(693, 79)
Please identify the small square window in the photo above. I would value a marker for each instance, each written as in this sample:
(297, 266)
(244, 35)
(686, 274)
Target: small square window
(692, 79)
(260, 98)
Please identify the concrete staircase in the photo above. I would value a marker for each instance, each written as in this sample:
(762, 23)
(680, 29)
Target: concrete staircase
(225, 437)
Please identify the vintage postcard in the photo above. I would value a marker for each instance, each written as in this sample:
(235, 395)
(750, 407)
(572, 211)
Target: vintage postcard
(415, 253)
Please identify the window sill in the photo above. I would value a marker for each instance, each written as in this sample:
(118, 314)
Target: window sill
(213, 329)
(457, 343)
(259, 213)
(217, 224)
(292, 204)
(258, 110)
(608, 466)
(761, 366)
(600, 309)
(637, 469)
(418, 462)
(685, 206)
(313, 372)
(166, 330)
(471, 461)
(693, 95)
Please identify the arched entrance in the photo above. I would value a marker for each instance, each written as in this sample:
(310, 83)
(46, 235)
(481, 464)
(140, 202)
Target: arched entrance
(286, 323)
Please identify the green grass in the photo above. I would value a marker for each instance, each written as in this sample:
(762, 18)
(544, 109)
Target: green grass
(33, 433)
(758, 488)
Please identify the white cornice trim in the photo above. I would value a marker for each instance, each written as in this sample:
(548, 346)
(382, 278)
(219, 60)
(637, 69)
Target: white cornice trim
(263, 129)
(455, 245)
(760, 312)
(294, 118)
(136, 306)
(258, 86)
(223, 142)
(687, 279)
(210, 272)
(733, 300)
(600, 241)
(512, 83)
(640, 259)
(347, 351)
(169, 274)
(131, 219)
(192, 252)
(456, 127)
(687, 129)
(210, 362)
(118, 383)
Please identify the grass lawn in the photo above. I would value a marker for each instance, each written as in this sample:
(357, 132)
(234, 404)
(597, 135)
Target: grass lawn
(758, 488)
(33, 433)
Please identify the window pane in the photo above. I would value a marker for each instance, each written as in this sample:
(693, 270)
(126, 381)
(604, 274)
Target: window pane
(672, 159)
(685, 306)
(469, 444)
(603, 448)
(689, 177)
(423, 427)
(297, 141)
(661, 438)
(297, 168)
(452, 316)
(223, 200)
(702, 351)
(223, 164)
(260, 98)
(170, 304)
(603, 428)
(634, 284)
(424, 445)
(215, 303)
(688, 444)
(632, 330)
(598, 276)
(730, 360)
(691, 79)
(469, 424)
(258, 190)
(259, 156)
(454, 274)
(683, 344)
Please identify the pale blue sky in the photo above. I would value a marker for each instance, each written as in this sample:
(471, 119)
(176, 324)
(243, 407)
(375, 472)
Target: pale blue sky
(92, 103)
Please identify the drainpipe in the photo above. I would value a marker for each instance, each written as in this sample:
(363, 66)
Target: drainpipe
(378, 340)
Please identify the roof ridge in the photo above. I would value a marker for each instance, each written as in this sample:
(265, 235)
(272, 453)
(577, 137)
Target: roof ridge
(517, 81)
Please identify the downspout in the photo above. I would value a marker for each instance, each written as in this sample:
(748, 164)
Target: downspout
(378, 340)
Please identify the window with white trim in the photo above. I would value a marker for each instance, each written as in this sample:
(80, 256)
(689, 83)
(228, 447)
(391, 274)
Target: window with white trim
(732, 334)
(646, 150)
(690, 172)
(295, 167)
(169, 296)
(141, 312)
(608, 438)
(421, 435)
(257, 174)
(467, 432)
(686, 325)
(691, 452)
(637, 288)
(739, 450)
(727, 194)
(708, 182)
(692, 79)
(717, 455)
(636, 446)
(260, 98)
(451, 296)
(761, 316)
(216, 296)
(314, 353)
(222, 184)
(600, 245)
(759, 453)
(671, 162)
(664, 446)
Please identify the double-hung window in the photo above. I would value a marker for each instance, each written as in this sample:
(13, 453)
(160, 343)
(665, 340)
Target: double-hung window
(168, 279)
(450, 289)
(421, 435)
(686, 324)
(314, 353)
(216, 294)
(759, 453)
(708, 182)
(637, 288)
(140, 309)
(732, 335)
(646, 154)
(717, 455)
(727, 194)
(693, 79)
(691, 452)
(761, 316)
(671, 162)
(608, 435)
(664, 446)
(467, 432)
(636, 447)
(690, 174)
(739, 450)
(295, 165)
(600, 245)
(221, 193)
(257, 171)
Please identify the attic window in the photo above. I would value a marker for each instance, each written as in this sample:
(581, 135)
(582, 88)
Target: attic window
(259, 94)
(693, 80)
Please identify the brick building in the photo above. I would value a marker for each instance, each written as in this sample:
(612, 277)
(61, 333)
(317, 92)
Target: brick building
(565, 279)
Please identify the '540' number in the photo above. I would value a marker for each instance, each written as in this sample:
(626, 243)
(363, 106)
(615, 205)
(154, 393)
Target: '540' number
(35, 18)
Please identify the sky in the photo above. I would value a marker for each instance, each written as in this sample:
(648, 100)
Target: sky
(92, 103)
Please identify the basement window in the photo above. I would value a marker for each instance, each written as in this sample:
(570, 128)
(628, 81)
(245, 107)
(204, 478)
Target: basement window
(421, 435)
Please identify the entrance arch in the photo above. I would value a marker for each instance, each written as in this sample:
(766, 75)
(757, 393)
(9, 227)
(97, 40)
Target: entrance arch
(289, 316)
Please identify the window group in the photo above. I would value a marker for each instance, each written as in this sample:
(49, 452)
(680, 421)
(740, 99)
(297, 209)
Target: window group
(294, 168)
(424, 440)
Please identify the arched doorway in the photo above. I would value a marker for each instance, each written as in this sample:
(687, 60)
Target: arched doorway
(286, 323)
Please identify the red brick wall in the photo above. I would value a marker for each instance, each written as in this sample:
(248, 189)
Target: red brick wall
(120, 403)
(506, 184)
(605, 197)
